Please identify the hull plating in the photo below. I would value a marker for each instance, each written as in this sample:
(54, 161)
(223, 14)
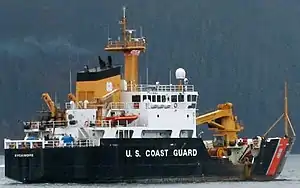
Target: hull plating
(136, 160)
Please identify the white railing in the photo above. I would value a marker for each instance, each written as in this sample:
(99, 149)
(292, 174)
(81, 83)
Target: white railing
(110, 124)
(122, 105)
(32, 144)
(100, 123)
(121, 44)
(105, 123)
(160, 88)
(42, 124)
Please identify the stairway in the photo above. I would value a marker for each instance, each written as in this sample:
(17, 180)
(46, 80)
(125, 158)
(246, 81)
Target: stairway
(84, 133)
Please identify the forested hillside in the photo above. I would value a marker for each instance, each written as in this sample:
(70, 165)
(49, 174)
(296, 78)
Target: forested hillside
(237, 51)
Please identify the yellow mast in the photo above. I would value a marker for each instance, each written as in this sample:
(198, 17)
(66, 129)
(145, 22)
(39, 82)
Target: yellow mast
(286, 116)
(131, 47)
(287, 122)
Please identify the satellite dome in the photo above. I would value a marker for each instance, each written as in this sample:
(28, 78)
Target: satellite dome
(180, 73)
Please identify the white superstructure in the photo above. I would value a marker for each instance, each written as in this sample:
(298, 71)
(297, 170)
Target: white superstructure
(161, 111)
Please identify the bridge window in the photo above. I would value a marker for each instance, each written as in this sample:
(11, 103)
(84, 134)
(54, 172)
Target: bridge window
(194, 98)
(174, 98)
(149, 97)
(186, 134)
(189, 98)
(180, 98)
(153, 98)
(163, 99)
(218, 141)
(136, 98)
(158, 98)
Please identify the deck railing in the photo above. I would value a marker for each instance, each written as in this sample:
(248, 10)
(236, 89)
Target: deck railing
(111, 124)
(122, 105)
(160, 88)
(128, 44)
(33, 144)
(36, 125)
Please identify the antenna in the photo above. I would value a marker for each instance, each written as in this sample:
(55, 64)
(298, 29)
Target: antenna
(147, 76)
(141, 31)
(124, 12)
(124, 24)
(70, 81)
(108, 37)
(170, 76)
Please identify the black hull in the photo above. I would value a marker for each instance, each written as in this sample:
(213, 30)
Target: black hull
(110, 163)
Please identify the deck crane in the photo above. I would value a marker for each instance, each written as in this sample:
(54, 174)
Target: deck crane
(98, 103)
(223, 122)
(56, 114)
(73, 98)
(108, 97)
(50, 104)
(103, 103)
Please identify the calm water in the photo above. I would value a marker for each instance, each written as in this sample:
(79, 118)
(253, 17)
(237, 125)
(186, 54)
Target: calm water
(290, 178)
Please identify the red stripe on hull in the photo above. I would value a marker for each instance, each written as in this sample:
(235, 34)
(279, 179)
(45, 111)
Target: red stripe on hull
(277, 157)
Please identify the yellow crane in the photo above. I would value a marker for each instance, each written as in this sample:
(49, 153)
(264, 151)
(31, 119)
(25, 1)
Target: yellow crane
(73, 98)
(98, 103)
(46, 97)
(222, 121)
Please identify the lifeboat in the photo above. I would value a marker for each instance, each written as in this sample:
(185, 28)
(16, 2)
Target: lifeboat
(121, 120)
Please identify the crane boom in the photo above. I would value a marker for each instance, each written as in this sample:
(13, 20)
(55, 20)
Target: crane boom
(108, 96)
(222, 121)
(46, 97)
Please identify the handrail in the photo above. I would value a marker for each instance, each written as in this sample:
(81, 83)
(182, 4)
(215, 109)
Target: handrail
(44, 124)
(122, 105)
(31, 144)
(110, 124)
(160, 88)
(121, 44)
(102, 123)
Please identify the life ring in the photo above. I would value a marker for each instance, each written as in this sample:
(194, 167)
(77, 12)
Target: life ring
(86, 123)
(175, 105)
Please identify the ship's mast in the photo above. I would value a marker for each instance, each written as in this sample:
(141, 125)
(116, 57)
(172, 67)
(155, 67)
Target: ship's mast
(286, 116)
(131, 47)
(287, 122)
